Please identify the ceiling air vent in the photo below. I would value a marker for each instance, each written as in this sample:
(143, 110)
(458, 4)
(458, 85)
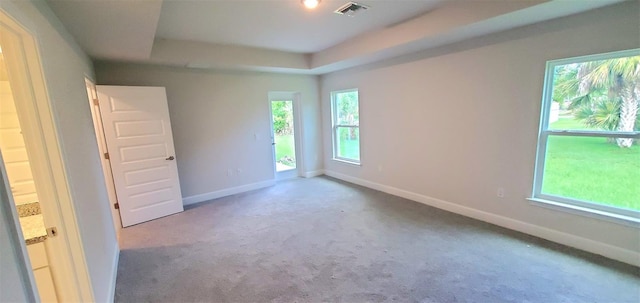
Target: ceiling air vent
(351, 9)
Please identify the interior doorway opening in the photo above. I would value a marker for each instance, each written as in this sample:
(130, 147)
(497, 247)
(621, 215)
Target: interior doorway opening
(92, 94)
(17, 167)
(52, 263)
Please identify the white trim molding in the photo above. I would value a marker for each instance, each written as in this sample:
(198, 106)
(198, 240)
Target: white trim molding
(46, 158)
(314, 173)
(603, 208)
(609, 251)
(114, 274)
(226, 192)
(586, 212)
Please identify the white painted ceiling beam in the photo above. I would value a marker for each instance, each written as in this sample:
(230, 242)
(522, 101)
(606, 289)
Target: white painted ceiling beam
(207, 56)
(126, 31)
(433, 25)
(453, 23)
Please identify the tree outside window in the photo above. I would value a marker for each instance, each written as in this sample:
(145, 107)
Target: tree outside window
(588, 152)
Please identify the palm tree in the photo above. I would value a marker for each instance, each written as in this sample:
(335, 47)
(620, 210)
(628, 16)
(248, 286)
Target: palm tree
(603, 93)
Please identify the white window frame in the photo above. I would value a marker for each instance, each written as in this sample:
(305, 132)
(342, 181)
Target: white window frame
(335, 127)
(591, 209)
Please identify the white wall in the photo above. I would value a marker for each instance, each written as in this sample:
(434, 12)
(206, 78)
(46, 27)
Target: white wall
(457, 122)
(15, 156)
(65, 66)
(215, 117)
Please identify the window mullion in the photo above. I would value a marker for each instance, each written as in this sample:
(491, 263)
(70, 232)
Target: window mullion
(578, 167)
(603, 134)
(345, 102)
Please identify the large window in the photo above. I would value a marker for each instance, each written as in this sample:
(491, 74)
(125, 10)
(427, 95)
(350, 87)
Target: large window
(588, 148)
(346, 125)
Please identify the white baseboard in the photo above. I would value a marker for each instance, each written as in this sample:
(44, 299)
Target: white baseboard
(609, 251)
(226, 192)
(114, 267)
(315, 173)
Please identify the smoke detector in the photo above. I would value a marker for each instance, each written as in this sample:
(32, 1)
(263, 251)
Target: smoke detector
(351, 8)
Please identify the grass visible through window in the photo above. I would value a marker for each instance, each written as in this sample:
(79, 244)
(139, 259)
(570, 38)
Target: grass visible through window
(591, 169)
(346, 125)
(285, 149)
(349, 148)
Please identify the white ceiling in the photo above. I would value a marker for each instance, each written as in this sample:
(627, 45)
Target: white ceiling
(111, 29)
(282, 36)
(279, 24)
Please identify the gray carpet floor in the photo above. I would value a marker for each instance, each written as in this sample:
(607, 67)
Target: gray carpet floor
(323, 240)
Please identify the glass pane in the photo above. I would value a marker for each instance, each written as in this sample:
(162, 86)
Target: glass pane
(595, 95)
(347, 112)
(348, 139)
(283, 132)
(592, 169)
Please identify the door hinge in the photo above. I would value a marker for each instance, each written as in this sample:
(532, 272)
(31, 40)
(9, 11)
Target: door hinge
(52, 232)
(96, 102)
(106, 156)
(116, 205)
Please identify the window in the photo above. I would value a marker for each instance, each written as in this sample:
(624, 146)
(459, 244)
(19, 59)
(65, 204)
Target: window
(346, 125)
(588, 146)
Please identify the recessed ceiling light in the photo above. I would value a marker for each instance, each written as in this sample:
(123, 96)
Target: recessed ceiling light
(310, 4)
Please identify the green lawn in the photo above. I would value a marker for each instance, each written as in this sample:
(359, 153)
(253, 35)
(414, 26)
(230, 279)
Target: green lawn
(592, 169)
(567, 122)
(348, 148)
(285, 147)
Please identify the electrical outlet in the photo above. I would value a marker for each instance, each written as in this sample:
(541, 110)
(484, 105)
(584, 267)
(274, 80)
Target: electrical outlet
(229, 172)
(500, 192)
(239, 170)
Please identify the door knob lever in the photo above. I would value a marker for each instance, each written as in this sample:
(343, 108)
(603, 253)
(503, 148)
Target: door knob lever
(170, 158)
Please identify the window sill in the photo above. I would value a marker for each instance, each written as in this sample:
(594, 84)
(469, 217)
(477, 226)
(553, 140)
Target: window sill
(586, 212)
(347, 161)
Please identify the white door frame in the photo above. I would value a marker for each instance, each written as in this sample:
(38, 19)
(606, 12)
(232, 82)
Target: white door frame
(16, 239)
(297, 126)
(92, 94)
(68, 267)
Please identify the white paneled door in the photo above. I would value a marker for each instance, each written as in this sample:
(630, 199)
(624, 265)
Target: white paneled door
(140, 145)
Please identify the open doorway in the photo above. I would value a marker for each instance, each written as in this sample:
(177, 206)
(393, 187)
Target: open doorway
(92, 94)
(285, 134)
(36, 190)
(17, 168)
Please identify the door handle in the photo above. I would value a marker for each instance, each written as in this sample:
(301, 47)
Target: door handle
(273, 143)
(170, 158)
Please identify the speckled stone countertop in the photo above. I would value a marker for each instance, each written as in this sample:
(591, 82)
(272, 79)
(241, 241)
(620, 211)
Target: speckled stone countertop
(33, 229)
(32, 223)
(29, 209)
